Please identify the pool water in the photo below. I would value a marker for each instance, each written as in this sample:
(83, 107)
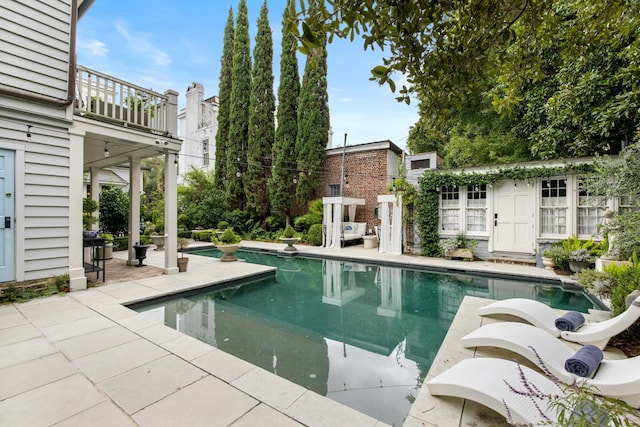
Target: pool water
(363, 335)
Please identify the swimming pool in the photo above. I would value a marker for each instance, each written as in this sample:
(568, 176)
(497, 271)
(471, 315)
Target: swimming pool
(364, 335)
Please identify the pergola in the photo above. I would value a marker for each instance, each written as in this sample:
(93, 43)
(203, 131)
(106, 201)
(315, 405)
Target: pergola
(332, 218)
(390, 232)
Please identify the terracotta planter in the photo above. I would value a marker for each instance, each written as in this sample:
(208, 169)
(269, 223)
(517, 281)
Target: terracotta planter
(228, 252)
(466, 254)
(290, 241)
(182, 264)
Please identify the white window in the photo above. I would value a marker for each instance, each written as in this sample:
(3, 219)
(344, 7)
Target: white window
(450, 208)
(627, 204)
(334, 190)
(477, 208)
(591, 210)
(205, 152)
(553, 206)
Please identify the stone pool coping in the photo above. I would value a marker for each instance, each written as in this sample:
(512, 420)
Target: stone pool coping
(86, 358)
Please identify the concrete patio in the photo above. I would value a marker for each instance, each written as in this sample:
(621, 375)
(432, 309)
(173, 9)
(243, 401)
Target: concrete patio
(85, 359)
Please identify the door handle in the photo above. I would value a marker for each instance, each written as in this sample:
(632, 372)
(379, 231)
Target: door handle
(7, 222)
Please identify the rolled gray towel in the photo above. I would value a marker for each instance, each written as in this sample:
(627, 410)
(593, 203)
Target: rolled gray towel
(585, 362)
(570, 321)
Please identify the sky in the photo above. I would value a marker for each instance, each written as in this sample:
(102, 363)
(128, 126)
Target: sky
(169, 44)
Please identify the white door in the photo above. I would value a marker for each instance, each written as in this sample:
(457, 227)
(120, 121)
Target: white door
(7, 217)
(513, 217)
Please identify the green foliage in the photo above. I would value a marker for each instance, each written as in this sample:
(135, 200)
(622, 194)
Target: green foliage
(89, 206)
(200, 203)
(120, 243)
(185, 234)
(289, 232)
(228, 237)
(107, 237)
(559, 256)
(223, 225)
(275, 222)
(315, 235)
(182, 244)
(202, 235)
(224, 109)
(313, 215)
(626, 229)
(236, 149)
(240, 220)
(114, 210)
(262, 107)
(281, 185)
(313, 127)
(561, 75)
(460, 241)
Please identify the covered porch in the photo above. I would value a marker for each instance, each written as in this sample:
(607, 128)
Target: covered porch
(119, 124)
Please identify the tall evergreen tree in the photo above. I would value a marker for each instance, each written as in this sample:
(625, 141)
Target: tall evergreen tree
(239, 113)
(281, 186)
(224, 97)
(313, 126)
(261, 126)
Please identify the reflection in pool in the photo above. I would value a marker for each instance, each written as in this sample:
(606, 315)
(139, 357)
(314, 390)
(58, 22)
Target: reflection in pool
(363, 335)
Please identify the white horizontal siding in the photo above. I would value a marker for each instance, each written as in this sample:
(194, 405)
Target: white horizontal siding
(35, 53)
(46, 232)
(35, 246)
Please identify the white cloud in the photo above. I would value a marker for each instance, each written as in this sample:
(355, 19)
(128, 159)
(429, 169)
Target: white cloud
(140, 43)
(93, 47)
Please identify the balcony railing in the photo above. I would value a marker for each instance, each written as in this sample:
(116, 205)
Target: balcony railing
(106, 98)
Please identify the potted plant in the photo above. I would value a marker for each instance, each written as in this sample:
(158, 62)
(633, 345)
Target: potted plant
(157, 236)
(222, 225)
(289, 237)
(182, 261)
(580, 259)
(228, 242)
(89, 206)
(108, 246)
(459, 247)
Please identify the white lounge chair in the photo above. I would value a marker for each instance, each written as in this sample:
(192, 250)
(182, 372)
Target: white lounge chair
(614, 378)
(484, 380)
(543, 317)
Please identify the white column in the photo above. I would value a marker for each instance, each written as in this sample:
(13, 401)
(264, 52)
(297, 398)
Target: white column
(170, 214)
(95, 193)
(77, 278)
(135, 179)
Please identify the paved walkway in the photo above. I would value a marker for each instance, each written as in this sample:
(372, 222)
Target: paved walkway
(85, 359)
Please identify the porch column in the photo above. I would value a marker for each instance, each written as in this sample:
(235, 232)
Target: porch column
(135, 178)
(172, 112)
(170, 214)
(77, 278)
(95, 193)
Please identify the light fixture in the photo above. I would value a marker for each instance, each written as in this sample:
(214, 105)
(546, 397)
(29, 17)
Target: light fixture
(176, 160)
(106, 149)
(28, 133)
(238, 174)
(515, 184)
(295, 181)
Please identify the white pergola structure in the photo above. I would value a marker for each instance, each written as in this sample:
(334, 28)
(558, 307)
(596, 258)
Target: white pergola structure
(390, 212)
(332, 218)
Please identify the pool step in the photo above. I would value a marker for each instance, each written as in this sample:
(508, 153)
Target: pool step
(518, 261)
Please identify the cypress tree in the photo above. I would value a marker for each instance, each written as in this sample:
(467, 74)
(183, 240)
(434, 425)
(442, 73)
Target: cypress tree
(281, 186)
(261, 126)
(313, 126)
(238, 116)
(224, 98)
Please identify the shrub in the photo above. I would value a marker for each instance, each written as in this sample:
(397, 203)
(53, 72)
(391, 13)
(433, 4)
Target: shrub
(289, 232)
(223, 225)
(120, 243)
(559, 256)
(229, 237)
(315, 235)
(313, 216)
(186, 234)
(202, 235)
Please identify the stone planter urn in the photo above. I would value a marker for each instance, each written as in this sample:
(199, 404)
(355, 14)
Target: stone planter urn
(548, 263)
(579, 266)
(290, 241)
(158, 240)
(108, 251)
(141, 253)
(228, 252)
(464, 253)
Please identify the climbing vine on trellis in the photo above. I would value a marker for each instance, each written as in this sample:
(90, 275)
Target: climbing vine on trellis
(428, 198)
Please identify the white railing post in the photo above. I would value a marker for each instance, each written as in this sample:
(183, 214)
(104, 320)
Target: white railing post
(171, 114)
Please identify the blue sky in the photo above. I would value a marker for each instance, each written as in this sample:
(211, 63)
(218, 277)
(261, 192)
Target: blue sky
(164, 44)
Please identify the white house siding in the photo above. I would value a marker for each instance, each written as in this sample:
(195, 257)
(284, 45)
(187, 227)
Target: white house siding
(35, 44)
(42, 190)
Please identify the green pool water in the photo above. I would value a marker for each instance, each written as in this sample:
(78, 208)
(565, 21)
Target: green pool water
(364, 335)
